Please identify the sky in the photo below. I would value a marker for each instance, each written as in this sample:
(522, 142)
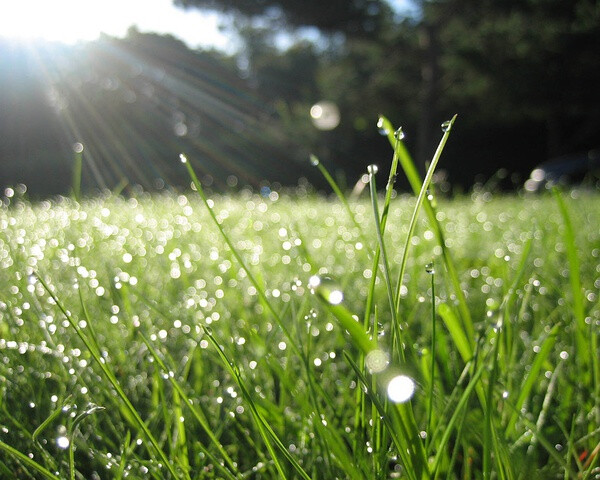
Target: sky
(71, 21)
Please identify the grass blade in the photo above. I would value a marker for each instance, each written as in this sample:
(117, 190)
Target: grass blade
(27, 461)
(532, 376)
(113, 381)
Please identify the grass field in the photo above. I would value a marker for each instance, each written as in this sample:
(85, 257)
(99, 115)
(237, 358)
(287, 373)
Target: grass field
(138, 340)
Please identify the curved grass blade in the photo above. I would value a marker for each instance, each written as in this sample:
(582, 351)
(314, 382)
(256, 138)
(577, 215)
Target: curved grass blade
(137, 420)
(396, 330)
(414, 179)
(265, 430)
(334, 186)
(28, 461)
(251, 277)
(397, 430)
(419, 203)
(532, 376)
(197, 413)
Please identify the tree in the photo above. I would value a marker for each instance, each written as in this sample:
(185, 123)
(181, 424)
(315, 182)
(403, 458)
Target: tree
(350, 17)
(524, 73)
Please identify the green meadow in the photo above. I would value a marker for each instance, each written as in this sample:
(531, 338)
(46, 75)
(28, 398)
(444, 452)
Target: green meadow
(298, 335)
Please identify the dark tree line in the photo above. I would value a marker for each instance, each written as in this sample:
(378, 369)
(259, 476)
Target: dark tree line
(522, 75)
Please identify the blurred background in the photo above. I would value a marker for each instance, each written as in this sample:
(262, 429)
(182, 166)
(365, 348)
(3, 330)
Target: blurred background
(249, 88)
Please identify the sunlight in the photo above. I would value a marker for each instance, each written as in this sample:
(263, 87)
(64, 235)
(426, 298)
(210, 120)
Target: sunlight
(71, 21)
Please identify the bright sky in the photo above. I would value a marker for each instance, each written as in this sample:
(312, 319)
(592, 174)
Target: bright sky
(70, 21)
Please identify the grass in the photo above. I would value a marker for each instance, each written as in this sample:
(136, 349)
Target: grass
(176, 336)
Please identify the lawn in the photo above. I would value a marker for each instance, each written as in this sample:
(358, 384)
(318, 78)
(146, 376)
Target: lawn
(267, 336)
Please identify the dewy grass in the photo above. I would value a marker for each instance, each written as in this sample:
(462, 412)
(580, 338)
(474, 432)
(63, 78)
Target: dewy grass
(190, 320)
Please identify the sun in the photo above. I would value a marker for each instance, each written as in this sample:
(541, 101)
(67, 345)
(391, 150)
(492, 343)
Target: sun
(72, 21)
(66, 21)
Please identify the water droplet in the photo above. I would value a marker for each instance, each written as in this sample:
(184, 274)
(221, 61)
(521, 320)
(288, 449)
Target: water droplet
(372, 169)
(429, 268)
(446, 125)
(314, 161)
(327, 289)
(505, 394)
(183, 158)
(401, 388)
(381, 126)
(399, 134)
(377, 361)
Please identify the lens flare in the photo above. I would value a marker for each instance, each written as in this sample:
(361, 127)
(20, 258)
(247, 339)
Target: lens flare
(401, 388)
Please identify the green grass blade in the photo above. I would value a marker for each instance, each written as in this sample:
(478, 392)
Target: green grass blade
(489, 409)
(196, 412)
(532, 376)
(397, 352)
(414, 179)
(266, 432)
(584, 356)
(27, 461)
(397, 430)
(49, 420)
(462, 402)
(113, 381)
(125, 452)
(259, 288)
(419, 203)
(338, 192)
(77, 172)
(433, 356)
(457, 332)
(574, 267)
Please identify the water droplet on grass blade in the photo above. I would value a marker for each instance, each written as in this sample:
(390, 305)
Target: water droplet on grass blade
(372, 169)
(314, 161)
(399, 134)
(446, 125)
(429, 268)
(381, 126)
(327, 289)
(183, 158)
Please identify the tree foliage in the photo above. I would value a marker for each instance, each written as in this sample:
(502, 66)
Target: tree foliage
(353, 17)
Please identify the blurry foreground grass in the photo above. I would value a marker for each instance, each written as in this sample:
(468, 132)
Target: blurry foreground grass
(171, 359)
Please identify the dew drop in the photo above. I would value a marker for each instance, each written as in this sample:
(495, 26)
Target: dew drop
(372, 169)
(400, 389)
(429, 268)
(183, 158)
(326, 288)
(446, 125)
(381, 126)
(399, 134)
(314, 161)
